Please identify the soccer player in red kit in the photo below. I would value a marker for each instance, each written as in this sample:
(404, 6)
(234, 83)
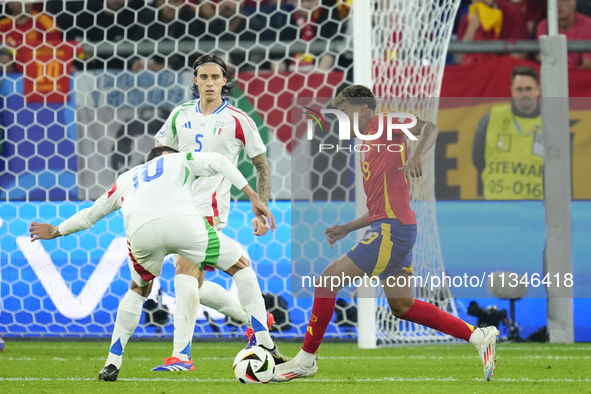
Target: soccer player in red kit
(386, 250)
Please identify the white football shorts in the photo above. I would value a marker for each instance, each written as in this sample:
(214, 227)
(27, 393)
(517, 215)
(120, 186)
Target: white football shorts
(189, 236)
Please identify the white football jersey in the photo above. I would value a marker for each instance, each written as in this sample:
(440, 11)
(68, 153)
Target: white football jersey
(162, 187)
(226, 131)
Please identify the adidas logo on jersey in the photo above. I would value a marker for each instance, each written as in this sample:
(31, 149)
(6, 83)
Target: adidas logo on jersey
(187, 125)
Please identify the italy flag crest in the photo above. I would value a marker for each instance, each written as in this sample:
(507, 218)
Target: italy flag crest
(217, 127)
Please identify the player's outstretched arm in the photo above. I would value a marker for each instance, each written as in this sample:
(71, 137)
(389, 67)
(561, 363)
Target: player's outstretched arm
(334, 233)
(85, 219)
(428, 132)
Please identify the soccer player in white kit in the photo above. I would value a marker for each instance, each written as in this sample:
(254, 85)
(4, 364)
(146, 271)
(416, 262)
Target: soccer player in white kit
(210, 124)
(156, 200)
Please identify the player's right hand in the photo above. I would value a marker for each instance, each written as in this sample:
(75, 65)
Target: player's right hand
(260, 228)
(334, 233)
(43, 231)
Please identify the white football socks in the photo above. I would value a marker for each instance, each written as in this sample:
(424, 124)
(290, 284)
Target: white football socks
(128, 317)
(216, 297)
(251, 299)
(306, 359)
(477, 337)
(187, 305)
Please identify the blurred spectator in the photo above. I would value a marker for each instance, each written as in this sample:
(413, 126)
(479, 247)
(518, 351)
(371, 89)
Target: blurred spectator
(224, 19)
(102, 21)
(584, 7)
(514, 22)
(535, 11)
(489, 20)
(264, 18)
(576, 27)
(311, 20)
(167, 19)
(24, 30)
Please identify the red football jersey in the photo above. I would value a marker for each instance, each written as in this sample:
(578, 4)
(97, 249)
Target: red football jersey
(34, 33)
(41, 54)
(386, 187)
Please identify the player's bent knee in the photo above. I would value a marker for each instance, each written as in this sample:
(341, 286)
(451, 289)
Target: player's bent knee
(185, 267)
(201, 278)
(143, 291)
(399, 306)
(242, 263)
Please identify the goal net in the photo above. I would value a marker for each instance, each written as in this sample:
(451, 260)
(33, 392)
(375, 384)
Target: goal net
(81, 100)
(82, 106)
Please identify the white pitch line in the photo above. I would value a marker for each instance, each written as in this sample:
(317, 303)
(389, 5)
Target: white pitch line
(547, 380)
(323, 380)
(82, 379)
(509, 347)
(449, 357)
(76, 378)
(132, 359)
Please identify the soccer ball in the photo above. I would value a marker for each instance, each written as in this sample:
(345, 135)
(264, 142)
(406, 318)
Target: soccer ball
(254, 365)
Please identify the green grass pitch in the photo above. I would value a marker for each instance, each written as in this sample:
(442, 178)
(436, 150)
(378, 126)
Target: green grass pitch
(72, 367)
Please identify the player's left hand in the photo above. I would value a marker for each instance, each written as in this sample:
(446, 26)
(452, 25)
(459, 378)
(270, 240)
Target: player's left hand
(414, 167)
(334, 233)
(43, 231)
(261, 211)
(260, 228)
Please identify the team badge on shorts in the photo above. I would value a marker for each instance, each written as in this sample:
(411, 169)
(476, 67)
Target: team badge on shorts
(217, 127)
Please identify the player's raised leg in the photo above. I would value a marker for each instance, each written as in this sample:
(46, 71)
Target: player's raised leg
(227, 258)
(211, 294)
(251, 299)
(303, 365)
(204, 245)
(404, 306)
(216, 297)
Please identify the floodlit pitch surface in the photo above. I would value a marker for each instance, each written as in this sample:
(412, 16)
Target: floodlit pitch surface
(72, 367)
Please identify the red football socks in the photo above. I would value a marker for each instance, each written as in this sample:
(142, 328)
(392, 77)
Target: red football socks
(429, 315)
(322, 311)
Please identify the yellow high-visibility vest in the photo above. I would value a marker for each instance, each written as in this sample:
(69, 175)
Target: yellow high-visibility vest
(514, 156)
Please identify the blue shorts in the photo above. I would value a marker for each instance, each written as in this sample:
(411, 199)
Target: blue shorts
(386, 248)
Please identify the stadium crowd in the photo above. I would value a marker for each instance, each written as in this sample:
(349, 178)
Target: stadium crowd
(24, 24)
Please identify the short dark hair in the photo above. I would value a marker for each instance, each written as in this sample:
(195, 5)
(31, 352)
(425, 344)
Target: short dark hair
(157, 151)
(525, 71)
(356, 95)
(213, 58)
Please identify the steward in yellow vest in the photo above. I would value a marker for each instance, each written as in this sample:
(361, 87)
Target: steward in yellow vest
(508, 149)
(513, 155)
